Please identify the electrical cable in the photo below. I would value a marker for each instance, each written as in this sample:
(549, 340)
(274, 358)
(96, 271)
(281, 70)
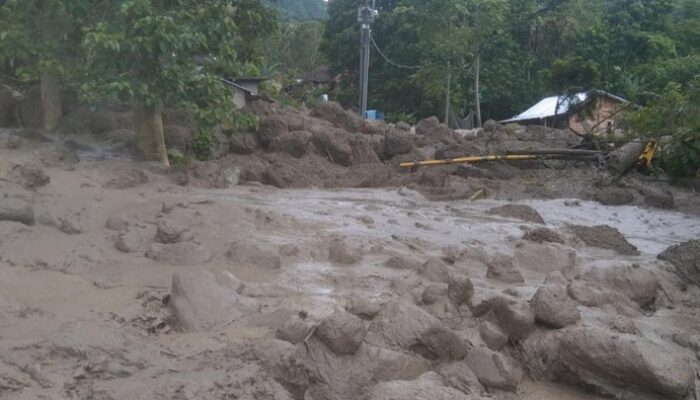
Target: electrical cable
(395, 64)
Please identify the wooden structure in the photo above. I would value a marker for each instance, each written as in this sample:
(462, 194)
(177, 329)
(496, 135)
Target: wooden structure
(590, 113)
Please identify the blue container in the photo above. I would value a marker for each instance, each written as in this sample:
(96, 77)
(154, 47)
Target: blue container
(376, 115)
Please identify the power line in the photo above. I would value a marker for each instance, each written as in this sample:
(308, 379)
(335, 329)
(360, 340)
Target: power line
(397, 65)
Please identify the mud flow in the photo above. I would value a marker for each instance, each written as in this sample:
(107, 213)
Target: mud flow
(309, 267)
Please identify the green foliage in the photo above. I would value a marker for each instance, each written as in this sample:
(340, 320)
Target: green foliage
(299, 10)
(177, 157)
(573, 73)
(166, 53)
(293, 51)
(675, 114)
(202, 144)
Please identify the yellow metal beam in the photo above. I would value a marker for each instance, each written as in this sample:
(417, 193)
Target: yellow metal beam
(467, 160)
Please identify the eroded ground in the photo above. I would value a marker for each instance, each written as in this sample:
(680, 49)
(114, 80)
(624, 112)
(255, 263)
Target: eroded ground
(125, 285)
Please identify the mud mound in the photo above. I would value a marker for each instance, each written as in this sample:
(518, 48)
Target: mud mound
(518, 211)
(613, 196)
(686, 258)
(604, 237)
(31, 176)
(542, 235)
(16, 203)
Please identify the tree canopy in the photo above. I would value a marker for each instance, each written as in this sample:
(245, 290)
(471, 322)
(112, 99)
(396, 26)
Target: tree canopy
(299, 10)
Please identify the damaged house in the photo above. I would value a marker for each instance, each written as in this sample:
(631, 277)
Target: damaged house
(589, 113)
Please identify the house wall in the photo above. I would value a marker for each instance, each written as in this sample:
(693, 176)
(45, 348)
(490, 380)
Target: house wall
(239, 98)
(595, 117)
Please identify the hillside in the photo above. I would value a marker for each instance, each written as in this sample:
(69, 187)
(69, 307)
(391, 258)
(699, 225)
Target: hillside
(299, 10)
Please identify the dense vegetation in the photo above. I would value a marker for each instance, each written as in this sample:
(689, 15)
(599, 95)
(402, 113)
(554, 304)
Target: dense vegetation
(299, 10)
(525, 49)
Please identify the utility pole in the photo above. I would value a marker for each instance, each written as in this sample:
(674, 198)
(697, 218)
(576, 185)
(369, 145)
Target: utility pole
(365, 16)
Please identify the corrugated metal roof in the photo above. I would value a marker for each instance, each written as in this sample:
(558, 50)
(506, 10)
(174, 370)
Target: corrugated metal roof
(547, 107)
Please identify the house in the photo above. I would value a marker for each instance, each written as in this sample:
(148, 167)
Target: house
(245, 90)
(595, 112)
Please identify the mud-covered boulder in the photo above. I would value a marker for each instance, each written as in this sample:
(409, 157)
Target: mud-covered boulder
(638, 284)
(659, 198)
(168, 231)
(591, 295)
(427, 387)
(544, 257)
(397, 143)
(362, 151)
(433, 292)
(333, 144)
(459, 289)
(29, 175)
(364, 307)
(295, 330)
(340, 253)
(621, 365)
(458, 375)
(243, 143)
(604, 237)
(249, 254)
(402, 325)
(503, 268)
(339, 117)
(543, 235)
(492, 335)
(614, 196)
(685, 257)
(181, 253)
(495, 370)
(554, 308)
(515, 316)
(16, 204)
(342, 332)
(518, 211)
(204, 300)
(296, 144)
(435, 270)
(432, 128)
(271, 127)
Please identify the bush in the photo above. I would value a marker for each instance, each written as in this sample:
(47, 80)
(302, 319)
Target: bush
(673, 115)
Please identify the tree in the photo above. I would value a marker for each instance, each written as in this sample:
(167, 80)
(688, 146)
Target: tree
(40, 39)
(159, 53)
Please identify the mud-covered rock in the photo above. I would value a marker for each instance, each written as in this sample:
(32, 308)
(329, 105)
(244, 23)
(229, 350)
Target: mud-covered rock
(127, 180)
(363, 307)
(169, 231)
(621, 365)
(243, 143)
(342, 332)
(638, 284)
(614, 196)
(400, 262)
(544, 257)
(659, 198)
(397, 143)
(271, 127)
(29, 175)
(503, 268)
(685, 257)
(182, 253)
(494, 370)
(518, 211)
(428, 387)
(16, 204)
(435, 270)
(405, 326)
(554, 308)
(432, 128)
(492, 335)
(296, 144)
(204, 300)
(515, 316)
(543, 235)
(339, 117)
(458, 375)
(295, 330)
(433, 293)
(340, 253)
(116, 223)
(592, 295)
(249, 254)
(334, 145)
(604, 237)
(459, 289)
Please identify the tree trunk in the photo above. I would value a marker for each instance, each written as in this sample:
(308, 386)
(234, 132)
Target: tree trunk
(50, 102)
(150, 138)
(447, 96)
(477, 71)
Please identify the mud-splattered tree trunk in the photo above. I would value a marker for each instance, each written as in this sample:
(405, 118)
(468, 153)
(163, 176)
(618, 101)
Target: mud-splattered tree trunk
(150, 138)
(51, 106)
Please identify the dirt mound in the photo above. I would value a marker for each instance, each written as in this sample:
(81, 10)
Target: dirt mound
(613, 196)
(686, 258)
(518, 211)
(604, 237)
